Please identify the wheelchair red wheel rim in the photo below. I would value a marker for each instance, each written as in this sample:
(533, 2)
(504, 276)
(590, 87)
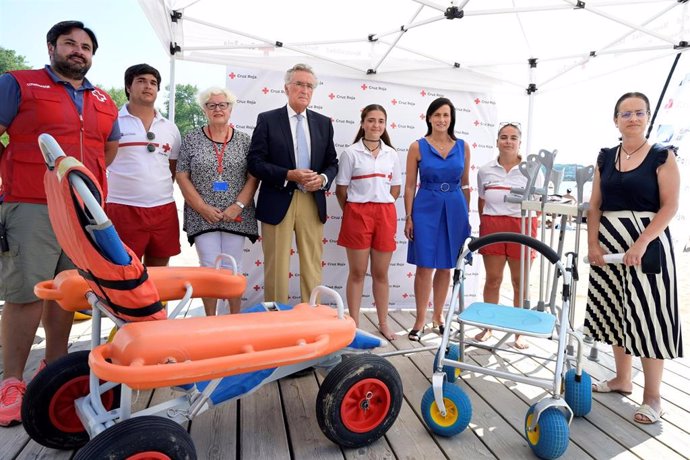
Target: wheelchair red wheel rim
(62, 413)
(148, 456)
(365, 405)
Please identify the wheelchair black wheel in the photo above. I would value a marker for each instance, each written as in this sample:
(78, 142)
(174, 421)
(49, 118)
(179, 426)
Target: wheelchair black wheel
(48, 412)
(359, 400)
(146, 437)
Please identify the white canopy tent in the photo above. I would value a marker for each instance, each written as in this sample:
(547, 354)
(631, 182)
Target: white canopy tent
(523, 47)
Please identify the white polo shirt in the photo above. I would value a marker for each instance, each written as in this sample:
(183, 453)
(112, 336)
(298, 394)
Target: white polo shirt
(494, 183)
(138, 177)
(369, 179)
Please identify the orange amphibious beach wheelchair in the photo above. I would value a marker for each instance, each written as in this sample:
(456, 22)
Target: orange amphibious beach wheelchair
(84, 400)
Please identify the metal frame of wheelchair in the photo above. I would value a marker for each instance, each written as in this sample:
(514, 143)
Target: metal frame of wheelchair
(446, 408)
(67, 406)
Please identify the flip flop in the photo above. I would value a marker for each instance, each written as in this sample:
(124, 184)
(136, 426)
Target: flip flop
(647, 411)
(603, 387)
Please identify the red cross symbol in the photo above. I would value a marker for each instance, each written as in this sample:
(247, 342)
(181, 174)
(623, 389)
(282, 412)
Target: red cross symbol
(477, 101)
(364, 86)
(257, 288)
(422, 116)
(323, 264)
(232, 75)
(331, 96)
(329, 193)
(474, 145)
(394, 102)
(166, 147)
(390, 176)
(257, 263)
(405, 296)
(265, 90)
(476, 122)
(290, 275)
(409, 274)
(393, 125)
(324, 241)
(292, 252)
(473, 167)
(423, 93)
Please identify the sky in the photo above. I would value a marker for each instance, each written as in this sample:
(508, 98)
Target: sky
(24, 24)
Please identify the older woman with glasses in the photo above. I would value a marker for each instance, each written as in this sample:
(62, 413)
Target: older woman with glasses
(217, 188)
(634, 197)
(494, 181)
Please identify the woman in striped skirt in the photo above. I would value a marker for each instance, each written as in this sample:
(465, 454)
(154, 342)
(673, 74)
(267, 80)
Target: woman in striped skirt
(634, 197)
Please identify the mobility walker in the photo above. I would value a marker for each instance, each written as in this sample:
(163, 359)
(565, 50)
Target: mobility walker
(84, 400)
(446, 408)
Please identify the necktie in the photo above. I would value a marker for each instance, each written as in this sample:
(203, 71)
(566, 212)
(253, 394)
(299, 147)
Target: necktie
(302, 145)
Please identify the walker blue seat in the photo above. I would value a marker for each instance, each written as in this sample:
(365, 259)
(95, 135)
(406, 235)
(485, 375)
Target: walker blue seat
(517, 320)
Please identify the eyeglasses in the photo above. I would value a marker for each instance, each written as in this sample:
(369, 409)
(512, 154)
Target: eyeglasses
(303, 85)
(221, 105)
(514, 124)
(150, 146)
(637, 113)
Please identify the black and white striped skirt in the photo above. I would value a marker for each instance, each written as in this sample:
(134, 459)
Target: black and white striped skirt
(630, 309)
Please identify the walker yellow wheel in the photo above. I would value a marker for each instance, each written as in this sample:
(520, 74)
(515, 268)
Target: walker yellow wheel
(458, 411)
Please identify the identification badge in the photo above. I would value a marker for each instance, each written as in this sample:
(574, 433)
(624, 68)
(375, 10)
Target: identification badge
(220, 186)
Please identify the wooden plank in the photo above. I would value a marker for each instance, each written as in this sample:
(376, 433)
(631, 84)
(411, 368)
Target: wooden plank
(407, 437)
(262, 429)
(299, 399)
(667, 433)
(13, 440)
(583, 435)
(215, 431)
(35, 451)
(415, 371)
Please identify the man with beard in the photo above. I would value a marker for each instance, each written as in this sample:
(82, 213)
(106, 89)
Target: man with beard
(57, 100)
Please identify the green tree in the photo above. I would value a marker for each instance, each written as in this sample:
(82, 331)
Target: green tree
(117, 94)
(188, 114)
(10, 60)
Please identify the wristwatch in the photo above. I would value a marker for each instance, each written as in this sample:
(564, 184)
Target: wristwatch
(239, 203)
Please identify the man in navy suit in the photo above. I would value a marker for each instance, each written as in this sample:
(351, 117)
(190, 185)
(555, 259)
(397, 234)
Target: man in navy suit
(293, 155)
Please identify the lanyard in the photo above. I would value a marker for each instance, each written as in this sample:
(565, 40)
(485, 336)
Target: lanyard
(221, 154)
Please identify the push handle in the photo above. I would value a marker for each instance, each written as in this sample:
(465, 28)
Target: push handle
(609, 258)
(508, 237)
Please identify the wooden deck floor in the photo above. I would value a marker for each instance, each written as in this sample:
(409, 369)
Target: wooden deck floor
(278, 421)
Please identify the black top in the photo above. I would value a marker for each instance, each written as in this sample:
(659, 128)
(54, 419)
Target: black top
(637, 189)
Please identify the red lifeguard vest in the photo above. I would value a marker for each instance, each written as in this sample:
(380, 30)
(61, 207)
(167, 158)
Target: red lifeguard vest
(129, 292)
(46, 107)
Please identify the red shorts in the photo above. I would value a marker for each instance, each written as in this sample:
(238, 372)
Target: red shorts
(494, 224)
(154, 232)
(368, 226)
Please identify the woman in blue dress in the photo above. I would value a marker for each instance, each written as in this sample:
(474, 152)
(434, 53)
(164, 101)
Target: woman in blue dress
(436, 221)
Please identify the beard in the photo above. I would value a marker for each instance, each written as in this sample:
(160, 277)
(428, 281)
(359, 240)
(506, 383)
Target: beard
(71, 69)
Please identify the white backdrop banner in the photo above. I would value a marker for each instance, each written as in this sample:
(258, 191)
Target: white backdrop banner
(342, 100)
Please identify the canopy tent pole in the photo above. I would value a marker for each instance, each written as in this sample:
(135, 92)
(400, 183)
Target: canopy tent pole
(172, 91)
(661, 96)
(531, 89)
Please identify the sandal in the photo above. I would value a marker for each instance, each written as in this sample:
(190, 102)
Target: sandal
(603, 387)
(415, 335)
(649, 412)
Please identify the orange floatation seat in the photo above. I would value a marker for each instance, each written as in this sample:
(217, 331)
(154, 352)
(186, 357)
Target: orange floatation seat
(69, 288)
(127, 289)
(151, 355)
